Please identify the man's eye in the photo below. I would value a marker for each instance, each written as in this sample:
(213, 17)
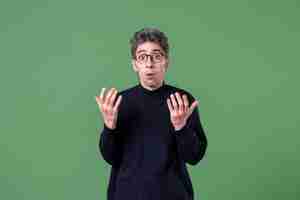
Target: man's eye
(142, 57)
(157, 56)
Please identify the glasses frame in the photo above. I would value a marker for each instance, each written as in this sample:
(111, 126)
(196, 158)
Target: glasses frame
(152, 59)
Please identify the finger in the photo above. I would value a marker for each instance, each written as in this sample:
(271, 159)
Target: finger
(109, 95)
(170, 105)
(118, 102)
(174, 102)
(185, 103)
(99, 103)
(113, 98)
(102, 95)
(180, 102)
(98, 100)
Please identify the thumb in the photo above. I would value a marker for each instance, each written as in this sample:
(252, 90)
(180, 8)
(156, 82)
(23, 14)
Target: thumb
(193, 106)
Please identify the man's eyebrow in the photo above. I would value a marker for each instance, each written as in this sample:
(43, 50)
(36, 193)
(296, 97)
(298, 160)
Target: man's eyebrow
(141, 51)
(158, 50)
(154, 50)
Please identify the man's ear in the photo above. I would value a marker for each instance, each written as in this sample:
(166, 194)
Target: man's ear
(133, 62)
(167, 64)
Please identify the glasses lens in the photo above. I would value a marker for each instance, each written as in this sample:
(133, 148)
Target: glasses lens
(156, 58)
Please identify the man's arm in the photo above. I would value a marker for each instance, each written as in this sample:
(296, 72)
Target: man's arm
(110, 139)
(110, 145)
(188, 131)
(191, 140)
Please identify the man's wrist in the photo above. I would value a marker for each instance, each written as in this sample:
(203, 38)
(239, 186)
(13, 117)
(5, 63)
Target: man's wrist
(179, 127)
(108, 129)
(110, 126)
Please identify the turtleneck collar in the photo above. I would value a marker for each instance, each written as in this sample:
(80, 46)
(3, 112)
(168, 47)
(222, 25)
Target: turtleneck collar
(152, 92)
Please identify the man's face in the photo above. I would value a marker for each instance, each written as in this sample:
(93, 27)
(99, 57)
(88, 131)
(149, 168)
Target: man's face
(150, 64)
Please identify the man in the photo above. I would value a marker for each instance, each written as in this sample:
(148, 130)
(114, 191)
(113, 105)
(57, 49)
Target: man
(150, 130)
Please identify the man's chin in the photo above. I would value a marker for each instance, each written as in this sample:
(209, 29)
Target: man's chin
(151, 84)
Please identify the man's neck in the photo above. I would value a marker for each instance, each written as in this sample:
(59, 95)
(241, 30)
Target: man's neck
(152, 88)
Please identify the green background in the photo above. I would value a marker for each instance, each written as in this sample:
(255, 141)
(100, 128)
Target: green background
(239, 58)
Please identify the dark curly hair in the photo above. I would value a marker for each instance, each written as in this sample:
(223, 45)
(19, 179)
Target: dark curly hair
(149, 35)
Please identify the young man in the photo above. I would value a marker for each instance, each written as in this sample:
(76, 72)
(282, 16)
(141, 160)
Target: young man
(150, 130)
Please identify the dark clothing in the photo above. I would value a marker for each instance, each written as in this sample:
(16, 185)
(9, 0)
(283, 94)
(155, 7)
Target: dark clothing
(147, 156)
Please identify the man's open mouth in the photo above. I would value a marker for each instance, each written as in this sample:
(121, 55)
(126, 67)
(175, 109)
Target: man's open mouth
(150, 74)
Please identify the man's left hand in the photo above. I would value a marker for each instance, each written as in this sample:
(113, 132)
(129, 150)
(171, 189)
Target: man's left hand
(179, 109)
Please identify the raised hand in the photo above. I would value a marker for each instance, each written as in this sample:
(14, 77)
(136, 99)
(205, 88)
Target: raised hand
(179, 109)
(109, 106)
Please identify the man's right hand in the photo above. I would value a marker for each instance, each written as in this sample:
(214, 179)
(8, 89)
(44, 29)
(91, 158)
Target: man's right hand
(109, 106)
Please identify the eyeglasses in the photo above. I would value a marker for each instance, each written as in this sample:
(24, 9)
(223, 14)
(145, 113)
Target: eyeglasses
(155, 58)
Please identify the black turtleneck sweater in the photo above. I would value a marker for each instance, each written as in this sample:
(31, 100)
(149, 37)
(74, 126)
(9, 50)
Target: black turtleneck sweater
(147, 155)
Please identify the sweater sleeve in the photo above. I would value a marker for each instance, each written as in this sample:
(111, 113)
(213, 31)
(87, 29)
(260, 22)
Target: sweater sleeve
(191, 140)
(111, 141)
(110, 145)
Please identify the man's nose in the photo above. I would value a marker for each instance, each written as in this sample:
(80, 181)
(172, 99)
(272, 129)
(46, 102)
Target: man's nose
(149, 62)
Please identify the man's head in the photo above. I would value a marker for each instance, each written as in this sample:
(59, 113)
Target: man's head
(150, 56)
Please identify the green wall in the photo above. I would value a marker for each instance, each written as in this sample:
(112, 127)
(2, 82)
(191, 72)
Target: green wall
(239, 58)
